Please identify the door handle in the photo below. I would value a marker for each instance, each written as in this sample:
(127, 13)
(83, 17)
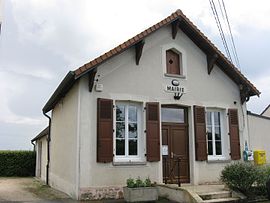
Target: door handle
(171, 154)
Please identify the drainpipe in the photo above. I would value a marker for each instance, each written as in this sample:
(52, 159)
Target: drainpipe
(48, 149)
(33, 145)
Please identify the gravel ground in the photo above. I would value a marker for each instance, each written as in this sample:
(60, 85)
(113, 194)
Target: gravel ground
(27, 190)
(12, 189)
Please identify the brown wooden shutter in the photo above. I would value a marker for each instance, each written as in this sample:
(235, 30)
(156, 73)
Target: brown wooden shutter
(173, 62)
(104, 130)
(234, 134)
(152, 131)
(200, 133)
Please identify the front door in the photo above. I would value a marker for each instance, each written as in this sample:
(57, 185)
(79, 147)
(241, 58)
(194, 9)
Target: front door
(175, 144)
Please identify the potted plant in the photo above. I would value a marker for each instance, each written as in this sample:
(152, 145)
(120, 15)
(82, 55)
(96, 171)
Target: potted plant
(139, 190)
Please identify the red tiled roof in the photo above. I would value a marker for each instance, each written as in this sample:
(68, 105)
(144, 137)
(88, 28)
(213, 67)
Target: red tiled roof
(186, 26)
(174, 16)
(127, 44)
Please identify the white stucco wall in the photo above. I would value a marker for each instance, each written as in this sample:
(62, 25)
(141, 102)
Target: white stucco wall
(63, 147)
(259, 133)
(41, 167)
(124, 80)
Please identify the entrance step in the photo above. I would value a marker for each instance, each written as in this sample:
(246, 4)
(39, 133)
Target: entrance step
(199, 193)
(218, 196)
(227, 200)
(215, 195)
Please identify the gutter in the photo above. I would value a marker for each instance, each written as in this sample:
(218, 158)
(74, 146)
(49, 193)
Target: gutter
(32, 142)
(257, 115)
(48, 148)
(60, 91)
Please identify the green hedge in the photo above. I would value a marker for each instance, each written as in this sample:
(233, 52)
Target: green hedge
(17, 163)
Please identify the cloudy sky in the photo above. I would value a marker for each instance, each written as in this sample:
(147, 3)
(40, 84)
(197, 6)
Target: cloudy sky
(42, 40)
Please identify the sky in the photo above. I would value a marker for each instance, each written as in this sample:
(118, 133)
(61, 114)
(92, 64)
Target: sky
(41, 41)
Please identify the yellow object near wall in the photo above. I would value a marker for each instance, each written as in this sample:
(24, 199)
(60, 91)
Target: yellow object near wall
(259, 157)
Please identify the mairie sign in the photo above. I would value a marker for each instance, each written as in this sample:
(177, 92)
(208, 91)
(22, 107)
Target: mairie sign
(175, 89)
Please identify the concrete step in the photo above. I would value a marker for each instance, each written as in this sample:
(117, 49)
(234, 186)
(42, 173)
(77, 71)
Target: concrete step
(215, 195)
(227, 200)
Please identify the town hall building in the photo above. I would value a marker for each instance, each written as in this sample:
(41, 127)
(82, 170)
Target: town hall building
(165, 96)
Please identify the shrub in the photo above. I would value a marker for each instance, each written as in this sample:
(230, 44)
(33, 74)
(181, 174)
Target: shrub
(139, 182)
(147, 182)
(17, 163)
(131, 183)
(262, 178)
(240, 176)
(246, 177)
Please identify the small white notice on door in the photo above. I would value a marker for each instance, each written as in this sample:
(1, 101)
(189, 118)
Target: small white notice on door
(165, 150)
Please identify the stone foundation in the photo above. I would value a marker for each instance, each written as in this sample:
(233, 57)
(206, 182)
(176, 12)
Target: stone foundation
(111, 192)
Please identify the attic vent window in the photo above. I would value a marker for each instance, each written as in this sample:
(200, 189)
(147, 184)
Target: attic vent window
(174, 62)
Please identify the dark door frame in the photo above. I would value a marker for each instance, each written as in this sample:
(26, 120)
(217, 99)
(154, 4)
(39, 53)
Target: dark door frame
(186, 124)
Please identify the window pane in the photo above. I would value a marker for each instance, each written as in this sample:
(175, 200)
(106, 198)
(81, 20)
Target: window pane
(132, 113)
(132, 130)
(217, 118)
(120, 147)
(208, 116)
(218, 148)
(172, 115)
(132, 148)
(209, 133)
(210, 148)
(209, 136)
(120, 130)
(120, 113)
(217, 133)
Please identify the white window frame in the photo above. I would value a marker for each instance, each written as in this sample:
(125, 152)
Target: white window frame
(223, 155)
(140, 139)
(183, 56)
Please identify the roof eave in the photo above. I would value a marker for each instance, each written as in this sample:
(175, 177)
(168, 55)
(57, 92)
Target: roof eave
(209, 48)
(60, 91)
(265, 109)
(41, 134)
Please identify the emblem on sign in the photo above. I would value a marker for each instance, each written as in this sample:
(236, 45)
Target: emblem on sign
(176, 89)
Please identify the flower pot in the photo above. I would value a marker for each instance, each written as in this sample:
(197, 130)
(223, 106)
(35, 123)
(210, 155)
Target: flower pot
(140, 194)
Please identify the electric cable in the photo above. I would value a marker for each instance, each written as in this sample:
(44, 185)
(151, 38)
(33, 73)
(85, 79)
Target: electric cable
(213, 7)
(229, 26)
(230, 48)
